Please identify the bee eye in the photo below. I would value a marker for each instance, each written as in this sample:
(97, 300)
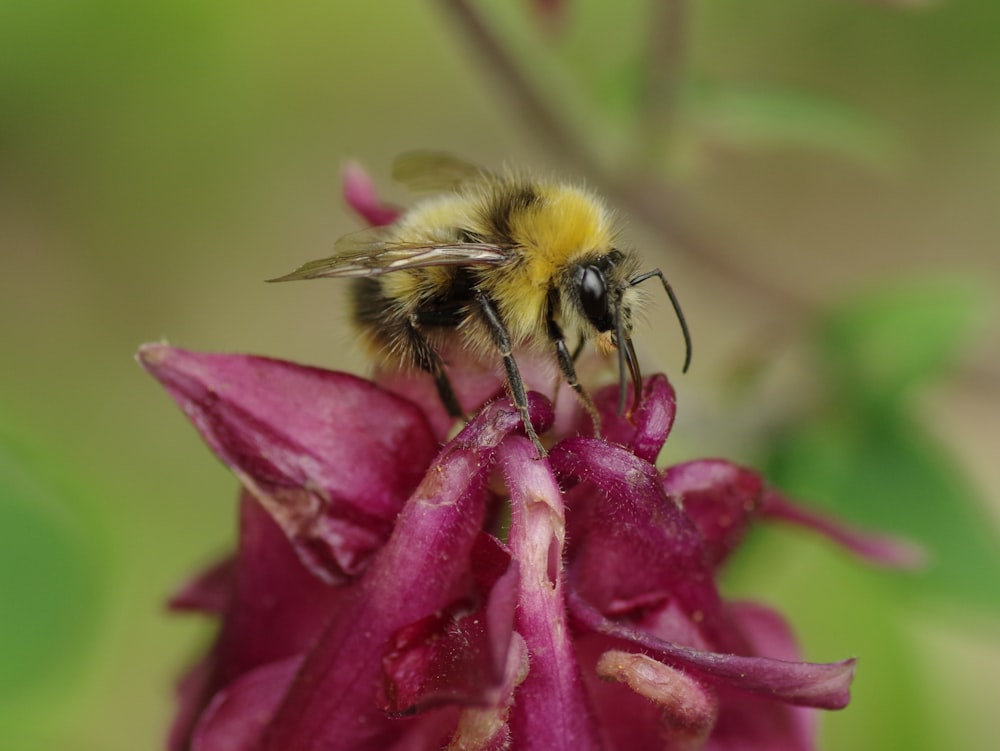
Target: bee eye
(594, 298)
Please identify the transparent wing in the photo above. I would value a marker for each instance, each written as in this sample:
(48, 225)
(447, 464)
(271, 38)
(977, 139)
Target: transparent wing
(359, 255)
(435, 171)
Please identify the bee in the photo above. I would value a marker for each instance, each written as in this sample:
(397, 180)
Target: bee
(495, 263)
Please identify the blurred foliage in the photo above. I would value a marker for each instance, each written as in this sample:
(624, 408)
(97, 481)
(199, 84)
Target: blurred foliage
(867, 453)
(52, 583)
(157, 161)
(879, 347)
(768, 117)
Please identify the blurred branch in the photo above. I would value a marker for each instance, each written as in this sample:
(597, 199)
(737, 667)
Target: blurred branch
(645, 195)
(540, 118)
(901, 4)
(664, 69)
(981, 377)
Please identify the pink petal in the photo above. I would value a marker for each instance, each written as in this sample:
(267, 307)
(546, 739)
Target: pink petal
(360, 194)
(281, 428)
(209, 592)
(551, 711)
(882, 550)
(457, 655)
(275, 609)
(752, 723)
(635, 549)
(193, 691)
(488, 728)
(802, 683)
(645, 431)
(235, 718)
(747, 722)
(721, 498)
(421, 569)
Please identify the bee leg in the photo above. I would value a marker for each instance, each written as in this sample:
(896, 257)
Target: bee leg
(447, 394)
(427, 359)
(501, 338)
(566, 361)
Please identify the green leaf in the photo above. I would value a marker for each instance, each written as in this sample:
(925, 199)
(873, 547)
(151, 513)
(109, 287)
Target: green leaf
(764, 117)
(880, 469)
(882, 344)
(50, 584)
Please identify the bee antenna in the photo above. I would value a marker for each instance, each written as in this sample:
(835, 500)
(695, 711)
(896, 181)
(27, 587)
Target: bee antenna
(677, 310)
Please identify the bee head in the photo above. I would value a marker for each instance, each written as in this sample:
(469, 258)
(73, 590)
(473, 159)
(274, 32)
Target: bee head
(603, 289)
(604, 298)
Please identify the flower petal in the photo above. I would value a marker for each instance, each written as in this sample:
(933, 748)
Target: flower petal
(459, 654)
(360, 194)
(208, 592)
(721, 498)
(635, 548)
(627, 719)
(193, 691)
(823, 685)
(275, 609)
(421, 569)
(882, 550)
(551, 711)
(487, 728)
(280, 427)
(748, 723)
(236, 716)
(645, 431)
(752, 723)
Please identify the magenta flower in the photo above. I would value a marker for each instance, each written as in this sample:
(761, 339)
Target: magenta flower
(375, 601)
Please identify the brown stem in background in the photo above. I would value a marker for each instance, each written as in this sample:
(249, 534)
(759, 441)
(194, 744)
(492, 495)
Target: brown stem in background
(540, 117)
(663, 72)
(647, 197)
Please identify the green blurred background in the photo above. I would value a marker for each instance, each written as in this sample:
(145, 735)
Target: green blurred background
(158, 160)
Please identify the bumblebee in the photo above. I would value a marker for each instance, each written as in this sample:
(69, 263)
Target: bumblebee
(494, 263)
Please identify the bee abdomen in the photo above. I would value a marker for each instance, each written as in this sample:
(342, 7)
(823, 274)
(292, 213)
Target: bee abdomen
(401, 329)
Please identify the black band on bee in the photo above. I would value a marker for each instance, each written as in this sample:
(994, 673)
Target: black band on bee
(509, 203)
(677, 310)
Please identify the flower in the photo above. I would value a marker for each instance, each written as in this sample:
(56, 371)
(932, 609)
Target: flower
(374, 601)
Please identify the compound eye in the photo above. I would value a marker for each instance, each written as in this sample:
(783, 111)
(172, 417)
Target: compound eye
(594, 298)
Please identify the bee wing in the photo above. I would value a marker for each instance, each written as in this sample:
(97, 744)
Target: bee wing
(360, 255)
(435, 171)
